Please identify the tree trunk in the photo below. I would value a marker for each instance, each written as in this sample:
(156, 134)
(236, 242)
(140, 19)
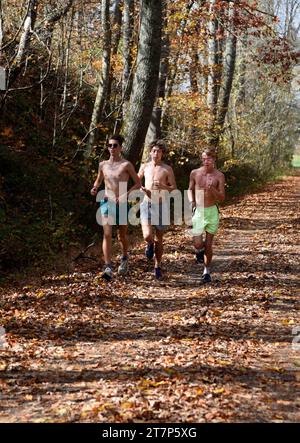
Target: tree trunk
(128, 23)
(1, 29)
(104, 77)
(66, 73)
(28, 26)
(193, 70)
(203, 80)
(2, 70)
(241, 95)
(171, 74)
(155, 128)
(228, 74)
(127, 26)
(115, 41)
(22, 50)
(212, 63)
(117, 25)
(45, 33)
(145, 80)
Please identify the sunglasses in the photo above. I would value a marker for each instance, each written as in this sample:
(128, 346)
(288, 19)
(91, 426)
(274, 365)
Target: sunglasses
(113, 145)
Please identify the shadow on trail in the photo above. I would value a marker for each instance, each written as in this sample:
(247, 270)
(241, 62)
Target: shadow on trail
(254, 224)
(240, 329)
(271, 381)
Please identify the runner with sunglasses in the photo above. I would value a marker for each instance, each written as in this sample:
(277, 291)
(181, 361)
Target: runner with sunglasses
(116, 171)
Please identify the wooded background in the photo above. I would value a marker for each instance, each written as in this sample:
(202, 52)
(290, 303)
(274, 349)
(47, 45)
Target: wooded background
(195, 73)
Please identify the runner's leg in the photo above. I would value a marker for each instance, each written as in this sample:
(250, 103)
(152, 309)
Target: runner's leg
(123, 239)
(208, 251)
(147, 230)
(107, 243)
(199, 248)
(158, 247)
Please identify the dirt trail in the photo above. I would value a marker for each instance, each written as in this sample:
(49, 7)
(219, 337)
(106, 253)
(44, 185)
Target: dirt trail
(172, 351)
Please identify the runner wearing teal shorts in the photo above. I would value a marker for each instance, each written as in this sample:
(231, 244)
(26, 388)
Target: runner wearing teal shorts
(115, 172)
(116, 213)
(206, 189)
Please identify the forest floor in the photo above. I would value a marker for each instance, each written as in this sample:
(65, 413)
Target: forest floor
(77, 349)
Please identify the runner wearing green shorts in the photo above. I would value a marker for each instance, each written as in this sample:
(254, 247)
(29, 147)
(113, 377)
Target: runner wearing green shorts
(206, 189)
(205, 220)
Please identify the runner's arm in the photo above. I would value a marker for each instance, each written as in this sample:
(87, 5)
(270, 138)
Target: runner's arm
(98, 180)
(191, 190)
(141, 175)
(171, 182)
(141, 172)
(218, 191)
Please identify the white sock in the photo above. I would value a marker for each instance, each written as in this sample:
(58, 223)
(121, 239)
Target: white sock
(206, 270)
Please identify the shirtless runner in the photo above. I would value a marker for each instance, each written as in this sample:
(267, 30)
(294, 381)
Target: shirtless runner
(212, 182)
(158, 177)
(115, 172)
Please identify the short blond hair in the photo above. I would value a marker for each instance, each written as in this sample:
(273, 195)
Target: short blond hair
(210, 152)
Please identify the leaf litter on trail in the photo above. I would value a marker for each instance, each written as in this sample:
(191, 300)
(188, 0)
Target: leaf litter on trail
(80, 349)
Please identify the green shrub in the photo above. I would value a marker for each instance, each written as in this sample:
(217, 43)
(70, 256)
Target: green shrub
(240, 176)
(43, 208)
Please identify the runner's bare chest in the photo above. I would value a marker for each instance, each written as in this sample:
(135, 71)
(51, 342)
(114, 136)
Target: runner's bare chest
(203, 181)
(115, 172)
(156, 173)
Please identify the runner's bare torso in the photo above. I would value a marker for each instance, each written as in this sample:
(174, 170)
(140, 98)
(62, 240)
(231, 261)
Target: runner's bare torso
(158, 177)
(115, 173)
(205, 181)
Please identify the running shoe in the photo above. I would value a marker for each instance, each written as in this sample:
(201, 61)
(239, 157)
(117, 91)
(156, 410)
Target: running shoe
(123, 268)
(158, 273)
(107, 274)
(206, 278)
(149, 251)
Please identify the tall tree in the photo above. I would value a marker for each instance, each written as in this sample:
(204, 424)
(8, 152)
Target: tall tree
(128, 22)
(104, 75)
(145, 79)
(212, 89)
(2, 70)
(45, 30)
(1, 28)
(116, 26)
(173, 71)
(23, 47)
(228, 74)
(155, 129)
